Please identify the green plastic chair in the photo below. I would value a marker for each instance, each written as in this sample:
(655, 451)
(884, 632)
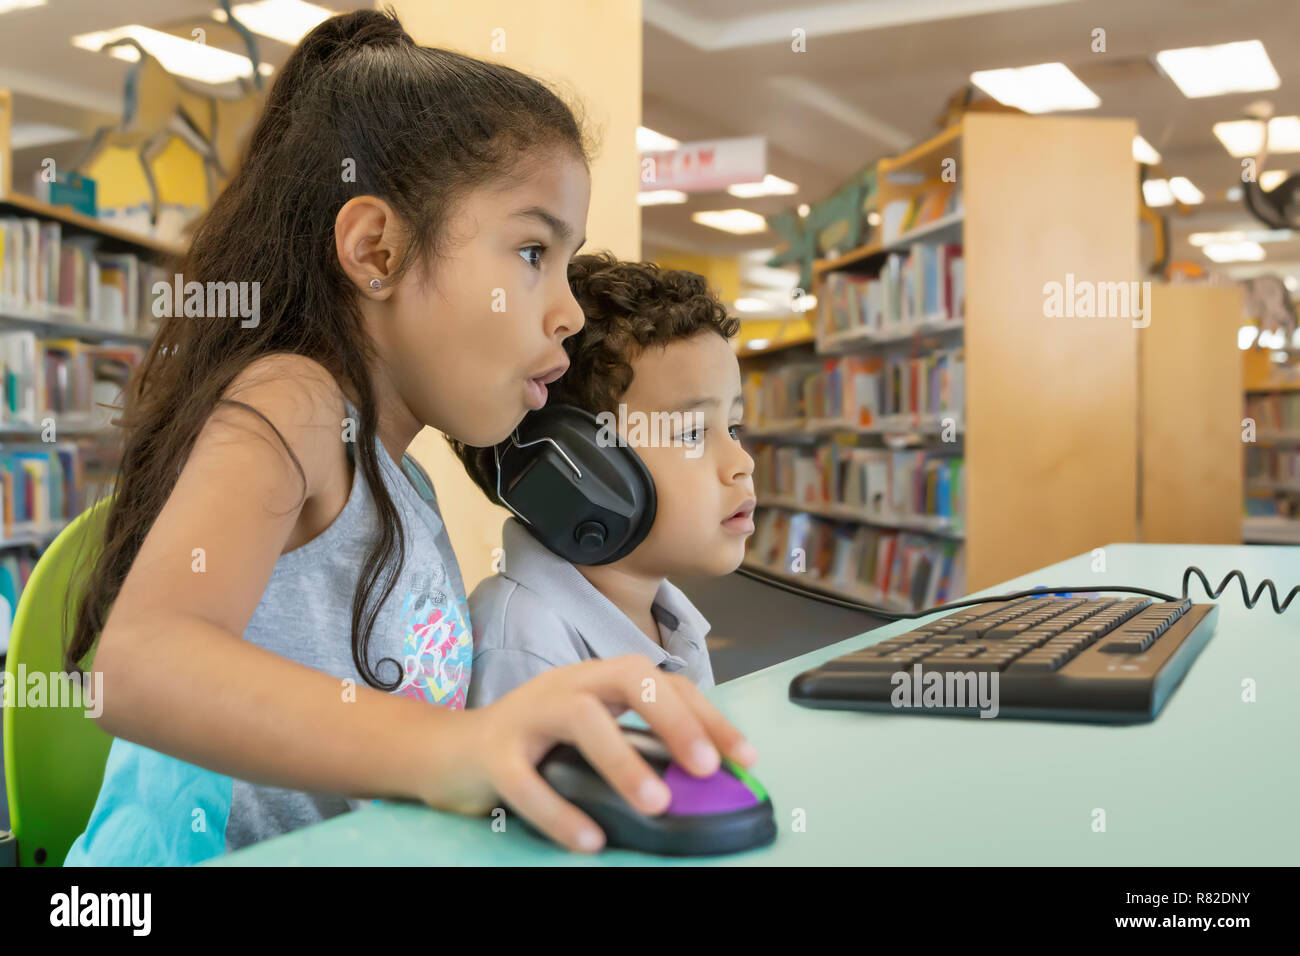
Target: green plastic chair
(54, 756)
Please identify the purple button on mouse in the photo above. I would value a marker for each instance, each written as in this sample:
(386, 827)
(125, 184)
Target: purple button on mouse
(720, 793)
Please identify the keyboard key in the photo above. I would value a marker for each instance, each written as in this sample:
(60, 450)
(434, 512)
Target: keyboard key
(945, 666)
(1127, 645)
(864, 654)
(1035, 638)
(1008, 630)
(894, 643)
(866, 665)
(1035, 665)
(950, 638)
(1092, 629)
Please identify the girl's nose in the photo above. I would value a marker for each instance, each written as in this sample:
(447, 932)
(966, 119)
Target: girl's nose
(567, 316)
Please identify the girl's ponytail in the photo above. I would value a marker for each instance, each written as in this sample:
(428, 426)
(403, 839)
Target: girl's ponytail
(327, 43)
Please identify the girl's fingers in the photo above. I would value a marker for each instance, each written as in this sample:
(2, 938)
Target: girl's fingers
(635, 681)
(725, 736)
(600, 739)
(530, 796)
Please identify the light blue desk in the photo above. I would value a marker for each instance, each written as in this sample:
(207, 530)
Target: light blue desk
(1212, 781)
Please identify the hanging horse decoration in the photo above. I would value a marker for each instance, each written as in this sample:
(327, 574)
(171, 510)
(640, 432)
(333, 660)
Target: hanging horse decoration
(162, 119)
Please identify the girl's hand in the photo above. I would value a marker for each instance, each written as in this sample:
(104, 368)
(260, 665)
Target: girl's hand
(500, 749)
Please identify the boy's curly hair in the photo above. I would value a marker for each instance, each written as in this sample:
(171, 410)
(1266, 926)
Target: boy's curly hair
(629, 306)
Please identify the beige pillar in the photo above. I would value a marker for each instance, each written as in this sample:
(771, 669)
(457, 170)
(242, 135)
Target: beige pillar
(590, 51)
(6, 126)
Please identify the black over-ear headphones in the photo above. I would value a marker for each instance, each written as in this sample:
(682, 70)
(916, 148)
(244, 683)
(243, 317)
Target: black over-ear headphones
(589, 501)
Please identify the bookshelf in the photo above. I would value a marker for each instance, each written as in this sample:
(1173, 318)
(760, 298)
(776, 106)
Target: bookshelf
(1011, 435)
(55, 325)
(113, 237)
(1272, 462)
(74, 322)
(745, 350)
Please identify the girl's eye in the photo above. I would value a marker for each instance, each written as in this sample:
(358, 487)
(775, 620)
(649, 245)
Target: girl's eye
(694, 436)
(528, 251)
(737, 431)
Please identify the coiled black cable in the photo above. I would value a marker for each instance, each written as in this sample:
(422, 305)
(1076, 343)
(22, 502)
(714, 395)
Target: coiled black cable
(1250, 600)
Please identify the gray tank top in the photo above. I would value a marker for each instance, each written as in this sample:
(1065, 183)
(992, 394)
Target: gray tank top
(306, 614)
(154, 809)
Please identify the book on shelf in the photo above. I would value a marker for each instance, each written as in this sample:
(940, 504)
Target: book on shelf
(778, 394)
(1273, 467)
(926, 285)
(934, 204)
(892, 218)
(1271, 507)
(67, 189)
(19, 358)
(64, 379)
(930, 386)
(43, 485)
(866, 563)
(901, 216)
(861, 390)
(119, 280)
(1279, 411)
(847, 390)
(877, 484)
(45, 274)
(17, 564)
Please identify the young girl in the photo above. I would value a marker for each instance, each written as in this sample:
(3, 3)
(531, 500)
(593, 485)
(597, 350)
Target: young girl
(278, 610)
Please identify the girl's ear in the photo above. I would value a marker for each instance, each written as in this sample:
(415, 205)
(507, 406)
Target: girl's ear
(368, 239)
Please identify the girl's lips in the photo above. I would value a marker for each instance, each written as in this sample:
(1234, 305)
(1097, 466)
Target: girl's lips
(536, 385)
(535, 393)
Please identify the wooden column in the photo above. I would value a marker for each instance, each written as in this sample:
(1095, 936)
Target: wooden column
(1191, 410)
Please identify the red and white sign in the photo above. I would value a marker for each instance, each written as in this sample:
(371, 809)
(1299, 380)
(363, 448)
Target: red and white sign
(706, 166)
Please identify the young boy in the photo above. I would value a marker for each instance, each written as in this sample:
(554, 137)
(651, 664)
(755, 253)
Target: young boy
(655, 341)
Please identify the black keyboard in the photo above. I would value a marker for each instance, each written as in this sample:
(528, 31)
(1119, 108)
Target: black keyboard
(1101, 659)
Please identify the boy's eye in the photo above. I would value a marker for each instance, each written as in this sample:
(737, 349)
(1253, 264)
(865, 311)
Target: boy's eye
(528, 252)
(693, 436)
(737, 430)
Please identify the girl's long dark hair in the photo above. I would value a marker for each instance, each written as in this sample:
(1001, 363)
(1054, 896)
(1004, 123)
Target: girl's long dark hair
(358, 109)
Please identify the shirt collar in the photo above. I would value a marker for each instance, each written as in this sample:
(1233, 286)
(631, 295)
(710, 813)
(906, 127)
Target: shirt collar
(605, 629)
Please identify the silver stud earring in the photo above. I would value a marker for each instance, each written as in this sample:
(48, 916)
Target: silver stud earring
(376, 284)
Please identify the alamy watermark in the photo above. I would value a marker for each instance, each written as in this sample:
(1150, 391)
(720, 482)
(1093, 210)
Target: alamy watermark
(208, 300)
(1085, 299)
(650, 430)
(944, 689)
(84, 691)
(130, 910)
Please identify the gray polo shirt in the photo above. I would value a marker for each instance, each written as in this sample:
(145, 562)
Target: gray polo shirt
(539, 612)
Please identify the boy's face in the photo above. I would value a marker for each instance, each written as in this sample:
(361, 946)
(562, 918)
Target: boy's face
(465, 341)
(703, 477)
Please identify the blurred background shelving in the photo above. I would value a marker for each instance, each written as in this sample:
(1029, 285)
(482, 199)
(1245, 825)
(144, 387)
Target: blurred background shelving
(75, 320)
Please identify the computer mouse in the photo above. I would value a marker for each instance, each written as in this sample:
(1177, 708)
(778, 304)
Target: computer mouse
(723, 813)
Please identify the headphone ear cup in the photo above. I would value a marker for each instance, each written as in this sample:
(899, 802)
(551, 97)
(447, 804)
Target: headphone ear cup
(646, 514)
(585, 500)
